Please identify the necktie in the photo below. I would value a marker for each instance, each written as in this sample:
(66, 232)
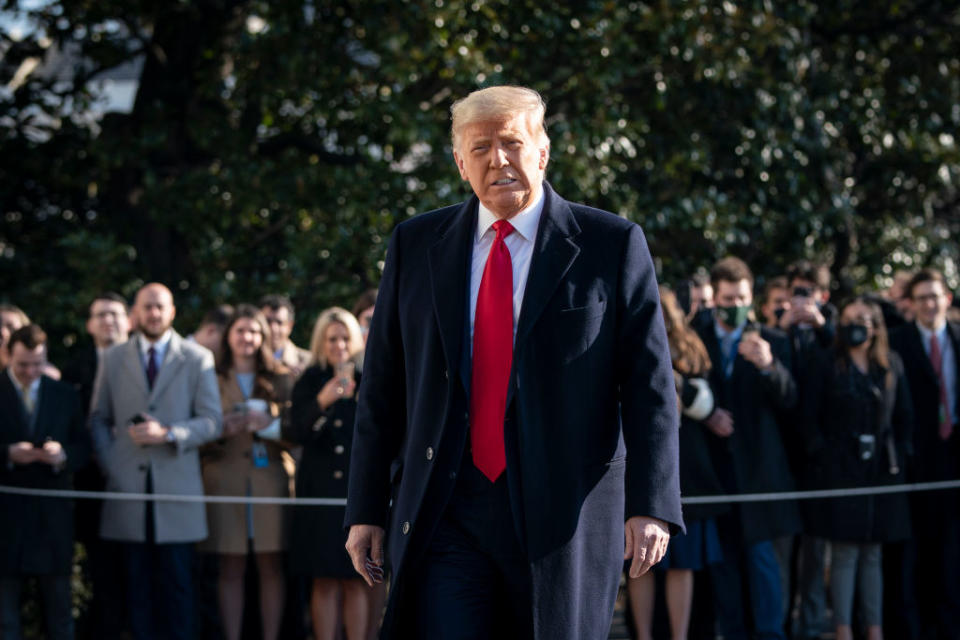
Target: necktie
(728, 346)
(27, 400)
(492, 357)
(151, 366)
(936, 359)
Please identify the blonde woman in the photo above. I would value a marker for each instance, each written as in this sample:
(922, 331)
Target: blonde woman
(322, 414)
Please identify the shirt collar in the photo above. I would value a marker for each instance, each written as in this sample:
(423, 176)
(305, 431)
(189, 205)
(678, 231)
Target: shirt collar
(159, 346)
(525, 223)
(722, 333)
(940, 332)
(34, 386)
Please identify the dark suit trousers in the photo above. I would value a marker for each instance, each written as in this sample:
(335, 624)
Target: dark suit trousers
(160, 586)
(474, 580)
(57, 612)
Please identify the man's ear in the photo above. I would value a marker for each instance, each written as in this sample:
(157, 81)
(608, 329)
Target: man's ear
(544, 156)
(459, 162)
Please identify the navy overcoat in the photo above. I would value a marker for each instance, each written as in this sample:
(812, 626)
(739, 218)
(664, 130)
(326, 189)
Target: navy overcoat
(592, 421)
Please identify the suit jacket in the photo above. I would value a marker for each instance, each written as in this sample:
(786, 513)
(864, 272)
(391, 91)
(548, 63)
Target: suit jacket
(81, 372)
(37, 533)
(753, 459)
(934, 459)
(591, 425)
(185, 398)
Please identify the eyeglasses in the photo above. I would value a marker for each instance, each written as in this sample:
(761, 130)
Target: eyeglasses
(927, 297)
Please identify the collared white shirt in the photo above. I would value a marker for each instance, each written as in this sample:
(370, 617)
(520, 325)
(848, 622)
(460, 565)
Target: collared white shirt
(33, 389)
(948, 362)
(159, 348)
(520, 245)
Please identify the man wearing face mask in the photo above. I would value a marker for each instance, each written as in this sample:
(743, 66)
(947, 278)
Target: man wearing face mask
(751, 381)
(929, 347)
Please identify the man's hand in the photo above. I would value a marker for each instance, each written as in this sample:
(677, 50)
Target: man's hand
(366, 541)
(148, 432)
(756, 350)
(646, 542)
(720, 422)
(22, 453)
(52, 453)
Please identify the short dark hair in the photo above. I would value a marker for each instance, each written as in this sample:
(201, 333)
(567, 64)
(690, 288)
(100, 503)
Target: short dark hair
(730, 269)
(30, 336)
(366, 300)
(275, 301)
(111, 296)
(780, 282)
(924, 275)
(818, 274)
(219, 315)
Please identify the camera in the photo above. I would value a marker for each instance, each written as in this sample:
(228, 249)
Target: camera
(802, 292)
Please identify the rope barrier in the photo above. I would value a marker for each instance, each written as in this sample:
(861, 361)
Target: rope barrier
(339, 502)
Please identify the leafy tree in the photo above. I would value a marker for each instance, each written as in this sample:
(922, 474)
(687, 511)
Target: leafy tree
(272, 146)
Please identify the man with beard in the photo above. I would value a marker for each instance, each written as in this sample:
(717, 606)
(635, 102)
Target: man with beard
(155, 402)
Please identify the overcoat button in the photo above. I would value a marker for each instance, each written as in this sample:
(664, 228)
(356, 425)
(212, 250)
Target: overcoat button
(338, 449)
(338, 423)
(446, 374)
(429, 453)
(337, 475)
(405, 528)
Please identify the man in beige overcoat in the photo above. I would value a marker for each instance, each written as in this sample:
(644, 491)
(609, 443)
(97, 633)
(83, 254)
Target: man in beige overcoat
(155, 401)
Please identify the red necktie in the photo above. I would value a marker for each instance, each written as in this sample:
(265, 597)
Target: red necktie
(492, 357)
(946, 422)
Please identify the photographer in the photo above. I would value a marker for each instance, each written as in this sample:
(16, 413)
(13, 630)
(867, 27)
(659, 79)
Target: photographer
(751, 382)
(856, 417)
(809, 319)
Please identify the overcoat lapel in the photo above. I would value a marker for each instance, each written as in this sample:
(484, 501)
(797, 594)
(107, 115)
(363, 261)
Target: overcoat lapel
(449, 260)
(916, 344)
(10, 397)
(134, 365)
(171, 364)
(554, 251)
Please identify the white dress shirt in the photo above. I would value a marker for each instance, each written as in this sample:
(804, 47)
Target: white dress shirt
(33, 390)
(520, 245)
(948, 363)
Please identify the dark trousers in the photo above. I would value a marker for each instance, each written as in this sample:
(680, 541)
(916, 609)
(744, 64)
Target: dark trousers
(160, 590)
(160, 593)
(748, 580)
(474, 581)
(57, 610)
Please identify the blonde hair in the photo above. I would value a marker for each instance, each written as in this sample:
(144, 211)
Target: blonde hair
(499, 103)
(328, 317)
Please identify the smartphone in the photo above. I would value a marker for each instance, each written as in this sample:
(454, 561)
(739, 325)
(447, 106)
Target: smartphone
(137, 419)
(345, 371)
(802, 292)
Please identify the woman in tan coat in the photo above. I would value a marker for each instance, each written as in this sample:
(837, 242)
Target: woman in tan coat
(249, 460)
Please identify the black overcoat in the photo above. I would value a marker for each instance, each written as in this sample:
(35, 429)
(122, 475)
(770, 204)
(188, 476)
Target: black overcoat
(591, 427)
(754, 459)
(838, 405)
(37, 533)
(317, 537)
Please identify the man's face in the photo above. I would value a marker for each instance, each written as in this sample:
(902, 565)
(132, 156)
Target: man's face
(778, 303)
(817, 294)
(504, 162)
(154, 311)
(733, 294)
(27, 364)
(210, 336)
(108, 323)
(281, 325)
(930, 303)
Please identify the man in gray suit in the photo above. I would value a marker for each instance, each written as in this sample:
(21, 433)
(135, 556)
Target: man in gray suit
(154, 403)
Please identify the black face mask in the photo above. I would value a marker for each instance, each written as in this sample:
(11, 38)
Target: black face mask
(854, 335)
(778, 313)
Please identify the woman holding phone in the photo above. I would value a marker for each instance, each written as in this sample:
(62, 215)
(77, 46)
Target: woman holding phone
(322, 415)
(857, 418)
(249, 459)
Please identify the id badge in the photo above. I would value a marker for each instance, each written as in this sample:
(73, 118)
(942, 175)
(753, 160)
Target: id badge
(259, 453)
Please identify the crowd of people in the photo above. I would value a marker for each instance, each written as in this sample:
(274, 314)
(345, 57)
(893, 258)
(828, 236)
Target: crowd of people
(793, 392)
(790, 392)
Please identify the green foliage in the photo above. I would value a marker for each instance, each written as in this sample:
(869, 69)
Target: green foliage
(274, 145)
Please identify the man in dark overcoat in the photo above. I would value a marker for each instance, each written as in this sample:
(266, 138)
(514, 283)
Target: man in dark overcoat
(752, 384)
(42, 440)
(517, 402)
